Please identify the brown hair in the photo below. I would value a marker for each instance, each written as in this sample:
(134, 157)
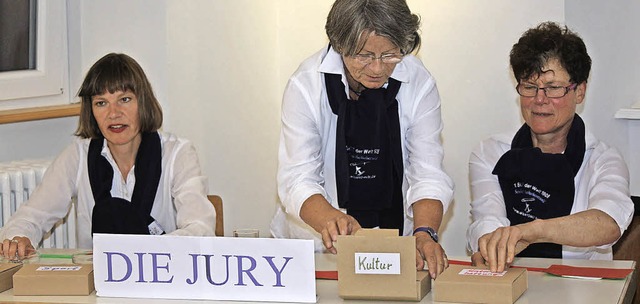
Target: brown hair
(112, 73)
(549, 41)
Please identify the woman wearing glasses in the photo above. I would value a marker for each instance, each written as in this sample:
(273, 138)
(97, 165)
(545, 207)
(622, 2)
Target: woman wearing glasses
(360, 142)
(552, 189)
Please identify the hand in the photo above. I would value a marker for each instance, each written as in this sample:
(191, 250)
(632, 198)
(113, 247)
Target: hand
(19, 247)
(340, 224)
(500, 247)
(327, 220)
(432, 252)
(478, 260)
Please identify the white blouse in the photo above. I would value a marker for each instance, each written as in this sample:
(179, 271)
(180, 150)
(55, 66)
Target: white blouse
(308, 136)
(601, 183)
(181, 206)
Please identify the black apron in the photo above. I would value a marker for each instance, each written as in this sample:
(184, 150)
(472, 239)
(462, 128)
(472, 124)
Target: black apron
(117, 215)
(538, 185)
(368, 160)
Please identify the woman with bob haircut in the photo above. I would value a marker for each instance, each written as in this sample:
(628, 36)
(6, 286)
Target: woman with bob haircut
(360, 141)
(128, 177)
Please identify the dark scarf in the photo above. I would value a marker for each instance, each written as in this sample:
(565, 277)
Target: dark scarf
(538, 185)
(116, 215)
(369, 167)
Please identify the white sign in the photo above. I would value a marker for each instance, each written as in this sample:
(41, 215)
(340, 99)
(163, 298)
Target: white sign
(481, 272)
(58, 268)
(204, 268)
(377, 263)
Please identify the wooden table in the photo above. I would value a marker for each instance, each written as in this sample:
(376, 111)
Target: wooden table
(543, 288)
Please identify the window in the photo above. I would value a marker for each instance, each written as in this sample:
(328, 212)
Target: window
(33, 60)
(17, 35)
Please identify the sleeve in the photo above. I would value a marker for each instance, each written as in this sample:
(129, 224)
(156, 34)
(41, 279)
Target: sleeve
(195, 215)
(424, 171)
(300, 159)
(49, 202)
(609, 191)
(487, 206)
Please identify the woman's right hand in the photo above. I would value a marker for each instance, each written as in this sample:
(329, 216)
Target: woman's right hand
(327, 220)
(19, 247)
(340, 224)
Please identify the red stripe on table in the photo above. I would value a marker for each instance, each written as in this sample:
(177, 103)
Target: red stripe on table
(566, 270)
(559, 270)
(593, 272)
(327, 274)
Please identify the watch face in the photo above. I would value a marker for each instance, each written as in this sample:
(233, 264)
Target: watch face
(432, 233)
(434, 236)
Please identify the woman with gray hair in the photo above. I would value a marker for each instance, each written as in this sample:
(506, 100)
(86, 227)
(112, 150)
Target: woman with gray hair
(360, 141)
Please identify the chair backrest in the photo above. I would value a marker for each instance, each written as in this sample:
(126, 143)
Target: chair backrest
(217, 204)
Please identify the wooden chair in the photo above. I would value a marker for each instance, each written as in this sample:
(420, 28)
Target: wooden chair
(217, 204)
(628, 246)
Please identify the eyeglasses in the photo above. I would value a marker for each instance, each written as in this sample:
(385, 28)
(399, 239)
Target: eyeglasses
(528, 90)
(366, 59)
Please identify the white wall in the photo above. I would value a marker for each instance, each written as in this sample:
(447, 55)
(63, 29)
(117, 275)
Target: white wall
(38, 139)
(224, 96)
(219, 69)
(610, 32)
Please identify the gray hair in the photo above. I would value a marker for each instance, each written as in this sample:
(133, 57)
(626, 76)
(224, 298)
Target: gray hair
(351, 20)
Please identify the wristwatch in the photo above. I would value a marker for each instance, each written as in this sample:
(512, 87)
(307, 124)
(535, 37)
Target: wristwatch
(432, 233)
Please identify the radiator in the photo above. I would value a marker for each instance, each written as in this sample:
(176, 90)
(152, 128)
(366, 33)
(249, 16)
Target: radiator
(18, 179)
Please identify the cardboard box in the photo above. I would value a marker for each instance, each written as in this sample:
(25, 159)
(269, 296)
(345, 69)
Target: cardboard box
(468, 284)
(378, 264)
(6, 275)
(53, 280)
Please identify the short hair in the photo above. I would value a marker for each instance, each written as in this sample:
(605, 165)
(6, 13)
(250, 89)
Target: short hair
(112, 73)
(546, 42)
(350, 20)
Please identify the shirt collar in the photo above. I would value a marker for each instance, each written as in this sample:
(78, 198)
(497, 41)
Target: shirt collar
(332, 64)
(106, 152)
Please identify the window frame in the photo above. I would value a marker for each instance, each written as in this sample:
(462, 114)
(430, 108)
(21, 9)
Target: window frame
(48, 83)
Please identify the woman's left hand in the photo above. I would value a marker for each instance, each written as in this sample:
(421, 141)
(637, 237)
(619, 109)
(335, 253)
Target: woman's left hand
(431, 252)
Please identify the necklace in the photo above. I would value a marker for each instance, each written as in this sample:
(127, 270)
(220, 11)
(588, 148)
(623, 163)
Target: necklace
(355, 92)
(351, 79)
